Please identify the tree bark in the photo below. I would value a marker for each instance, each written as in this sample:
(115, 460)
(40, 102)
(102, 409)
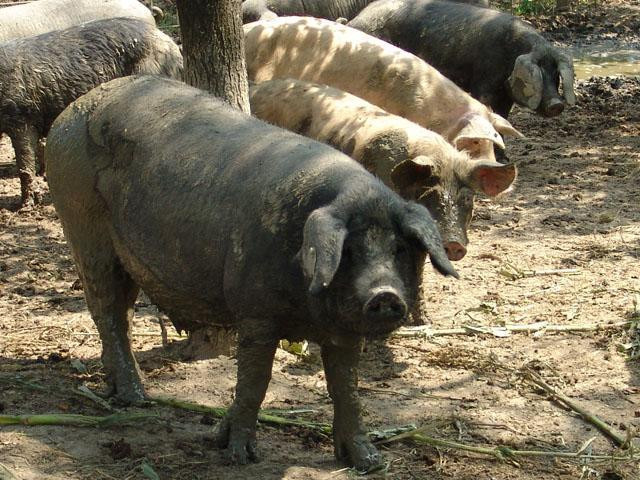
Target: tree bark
(213, 48)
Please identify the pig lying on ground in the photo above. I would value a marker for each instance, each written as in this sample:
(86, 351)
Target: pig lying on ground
(223, 219)
(35, 18)
(495, 56)
(253, 10)
(321, 51)
(40, 76)
(417, 163)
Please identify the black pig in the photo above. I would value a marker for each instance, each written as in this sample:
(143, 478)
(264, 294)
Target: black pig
(223, 219)
(41, 75)
(496, 57)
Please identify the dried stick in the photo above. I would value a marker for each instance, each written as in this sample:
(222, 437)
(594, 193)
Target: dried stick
(619, 440)
(500, 452)
(427, 331)
(6, 474)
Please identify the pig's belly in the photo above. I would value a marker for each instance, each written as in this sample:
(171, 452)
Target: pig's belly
(187, 310)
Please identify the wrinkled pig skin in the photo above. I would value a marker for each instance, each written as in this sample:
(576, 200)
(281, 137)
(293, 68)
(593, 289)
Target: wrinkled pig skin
(223, 219)
(41, 75)
(325, 52)
(253, 10)
(417, 163)
(36, 18)
(493, 55)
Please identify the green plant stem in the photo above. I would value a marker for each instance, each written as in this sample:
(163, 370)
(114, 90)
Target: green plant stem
(263, 417)
(67, 419)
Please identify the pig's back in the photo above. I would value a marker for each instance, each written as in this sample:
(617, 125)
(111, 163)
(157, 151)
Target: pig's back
(184, 173)
(35, 18)
(324, 52)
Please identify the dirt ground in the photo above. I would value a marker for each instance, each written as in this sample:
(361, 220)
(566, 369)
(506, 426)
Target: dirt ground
(570, 230)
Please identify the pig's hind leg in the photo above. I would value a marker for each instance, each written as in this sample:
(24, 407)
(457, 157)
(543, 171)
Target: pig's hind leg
(110, 294)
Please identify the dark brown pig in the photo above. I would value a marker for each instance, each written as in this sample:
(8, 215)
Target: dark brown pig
(223, 219)
(415, 162)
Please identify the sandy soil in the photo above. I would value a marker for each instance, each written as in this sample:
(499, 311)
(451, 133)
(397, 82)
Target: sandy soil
(575, 207)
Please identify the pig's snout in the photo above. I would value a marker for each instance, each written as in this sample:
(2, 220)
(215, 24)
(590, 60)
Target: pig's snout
(385, 304)
(455, 251)
(552, 107)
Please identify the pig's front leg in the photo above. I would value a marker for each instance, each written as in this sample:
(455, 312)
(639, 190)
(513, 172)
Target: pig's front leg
(237, 430)
(351, 443)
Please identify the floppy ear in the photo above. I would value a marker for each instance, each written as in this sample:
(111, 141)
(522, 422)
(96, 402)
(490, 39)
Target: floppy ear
(410, 174)
(491, 178)
(476, 128)
(416, 223)
(321, 250)
(525, 81)
(503, 126)
(565, 68)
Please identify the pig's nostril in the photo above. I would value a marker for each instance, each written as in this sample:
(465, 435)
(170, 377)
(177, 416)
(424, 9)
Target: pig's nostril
(455, 250)
(385, 305)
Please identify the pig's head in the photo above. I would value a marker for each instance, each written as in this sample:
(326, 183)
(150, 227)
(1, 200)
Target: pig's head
(362, 256)
(536, 77)
(477, 134)
(446, 186)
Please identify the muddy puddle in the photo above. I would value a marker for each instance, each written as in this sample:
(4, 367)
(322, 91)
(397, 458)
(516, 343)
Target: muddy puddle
(606, 59)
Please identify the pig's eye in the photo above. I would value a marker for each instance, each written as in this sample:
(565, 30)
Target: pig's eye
(401, 249)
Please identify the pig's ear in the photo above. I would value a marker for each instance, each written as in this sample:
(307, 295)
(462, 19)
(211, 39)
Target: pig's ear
(321, 250)
(525, 81)
(475, 131)
(412, 173)
(491, 178)
(503, 126)
(565, 68)
(416, 223)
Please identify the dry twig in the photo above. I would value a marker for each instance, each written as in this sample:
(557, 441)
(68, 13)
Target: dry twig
(502, 331)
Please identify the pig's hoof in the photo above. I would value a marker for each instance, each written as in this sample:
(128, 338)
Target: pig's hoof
(359, 452)
(240, 443)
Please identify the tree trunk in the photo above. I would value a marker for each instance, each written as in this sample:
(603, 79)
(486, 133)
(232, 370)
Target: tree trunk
(213, 48)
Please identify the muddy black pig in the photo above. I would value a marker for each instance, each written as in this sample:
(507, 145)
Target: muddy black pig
(495, 56)
(223, 219)
(41, 75)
